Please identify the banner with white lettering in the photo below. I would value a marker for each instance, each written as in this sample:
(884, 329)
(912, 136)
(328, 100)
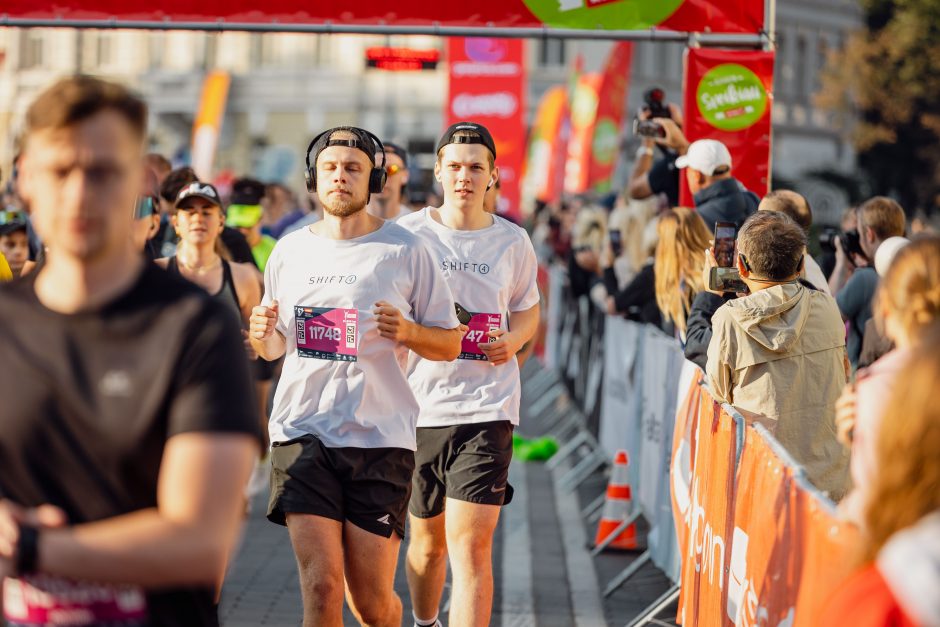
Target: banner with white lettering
(729, 97)
(487, 85)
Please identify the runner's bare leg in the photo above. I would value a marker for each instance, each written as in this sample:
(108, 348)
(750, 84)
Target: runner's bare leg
(426, 564)
(370, 576)
(470, 529)
(318, 544)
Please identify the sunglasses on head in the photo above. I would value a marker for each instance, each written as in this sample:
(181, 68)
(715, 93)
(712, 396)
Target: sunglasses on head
(393, 168)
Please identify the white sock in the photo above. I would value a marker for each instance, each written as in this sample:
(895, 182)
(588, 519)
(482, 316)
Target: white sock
(426, 622)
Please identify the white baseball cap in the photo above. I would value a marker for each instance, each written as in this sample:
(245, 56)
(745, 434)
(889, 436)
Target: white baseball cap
(887, 252)
(706, 156)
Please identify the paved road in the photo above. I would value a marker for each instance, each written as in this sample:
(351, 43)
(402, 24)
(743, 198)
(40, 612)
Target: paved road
(544, 575)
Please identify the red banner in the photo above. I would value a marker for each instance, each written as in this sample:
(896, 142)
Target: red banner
(583, 116)
(612, 97)
(548, 146)
(487, 86)
(729, 97)
(714, 16)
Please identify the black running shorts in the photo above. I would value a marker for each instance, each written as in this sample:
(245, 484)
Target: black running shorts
(464, 462)
(369, 487)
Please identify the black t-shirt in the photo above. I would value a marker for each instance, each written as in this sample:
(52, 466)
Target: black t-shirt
(90, 399)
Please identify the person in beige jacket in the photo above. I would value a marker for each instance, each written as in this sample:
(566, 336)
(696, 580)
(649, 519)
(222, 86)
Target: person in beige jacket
(778, 354)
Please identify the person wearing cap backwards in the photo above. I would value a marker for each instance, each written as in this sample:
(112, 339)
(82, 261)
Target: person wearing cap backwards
(388, 205)
(345, 300)
(718, 196)
(468, 407)
(245, 213)
(128, 430)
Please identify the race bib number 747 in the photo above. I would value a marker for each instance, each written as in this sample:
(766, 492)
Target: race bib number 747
(327, 333)
(478, 333)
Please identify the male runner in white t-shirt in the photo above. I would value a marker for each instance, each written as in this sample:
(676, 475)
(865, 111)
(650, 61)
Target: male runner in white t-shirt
(346, 299)
(468, 407)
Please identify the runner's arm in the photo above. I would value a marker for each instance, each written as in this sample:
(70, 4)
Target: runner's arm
(184, 541)
(522, 325)
(264, 337)
(432, 343)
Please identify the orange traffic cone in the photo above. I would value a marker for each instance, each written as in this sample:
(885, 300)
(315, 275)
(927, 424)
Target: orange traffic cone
(617, 509)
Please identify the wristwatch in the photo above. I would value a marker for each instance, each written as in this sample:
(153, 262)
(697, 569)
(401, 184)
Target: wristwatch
(644, 150)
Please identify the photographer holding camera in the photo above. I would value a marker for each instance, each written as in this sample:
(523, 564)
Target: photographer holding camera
(657, 123)
(854, 285)
(777, 354)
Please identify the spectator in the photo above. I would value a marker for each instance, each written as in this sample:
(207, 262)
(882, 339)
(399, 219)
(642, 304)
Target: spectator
(875, 344)
(777, 355)
(719, 197)
(898, 583)
(588, 238)
(246, 214)
(637, 300)
(797, 207)
(878, 219)
(827, 259)
(659, 177)
(907, 303)
(680, 257)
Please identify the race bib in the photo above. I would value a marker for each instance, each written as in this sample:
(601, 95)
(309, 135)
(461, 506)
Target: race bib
(45, 600)
(477, 333)
(327, 333)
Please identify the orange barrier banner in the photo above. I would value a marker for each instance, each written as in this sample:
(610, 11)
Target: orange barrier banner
(683, 452)
(758, 546)
(708, 519)
(760, 584)
(824, 554)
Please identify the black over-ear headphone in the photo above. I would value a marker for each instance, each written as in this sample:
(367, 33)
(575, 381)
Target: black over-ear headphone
(376, 177)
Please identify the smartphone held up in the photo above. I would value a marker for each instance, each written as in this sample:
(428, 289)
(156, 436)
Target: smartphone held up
(725, 277)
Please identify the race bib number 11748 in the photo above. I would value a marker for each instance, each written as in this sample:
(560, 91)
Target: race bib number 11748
(327, 333)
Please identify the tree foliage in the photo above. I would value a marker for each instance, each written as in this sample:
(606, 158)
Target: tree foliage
(885, 83)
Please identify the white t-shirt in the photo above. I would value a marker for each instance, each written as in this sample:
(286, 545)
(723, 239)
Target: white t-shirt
(491, 272)
(341, 381)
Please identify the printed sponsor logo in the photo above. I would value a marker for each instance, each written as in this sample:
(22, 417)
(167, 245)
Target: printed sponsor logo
(332, 279)
(500, 104)
(465, 266)
(731, 97)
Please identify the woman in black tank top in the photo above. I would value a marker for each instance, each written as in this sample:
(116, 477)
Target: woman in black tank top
(201, 257)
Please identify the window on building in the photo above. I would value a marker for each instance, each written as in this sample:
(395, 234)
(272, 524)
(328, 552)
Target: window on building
(551, 52)
(105, 49)
(31, 49)
(802, 66)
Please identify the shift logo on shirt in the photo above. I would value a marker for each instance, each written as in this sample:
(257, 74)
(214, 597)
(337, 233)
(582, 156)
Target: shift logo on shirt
(327, 333)
(464, 266)
(332, 279)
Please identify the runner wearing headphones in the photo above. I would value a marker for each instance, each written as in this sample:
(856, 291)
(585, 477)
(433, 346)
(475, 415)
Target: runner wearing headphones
(468, 407)
(346, 299)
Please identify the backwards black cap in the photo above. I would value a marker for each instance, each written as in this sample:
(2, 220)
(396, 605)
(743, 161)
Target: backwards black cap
(363, 141)
(482, 136)
(395, 149)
